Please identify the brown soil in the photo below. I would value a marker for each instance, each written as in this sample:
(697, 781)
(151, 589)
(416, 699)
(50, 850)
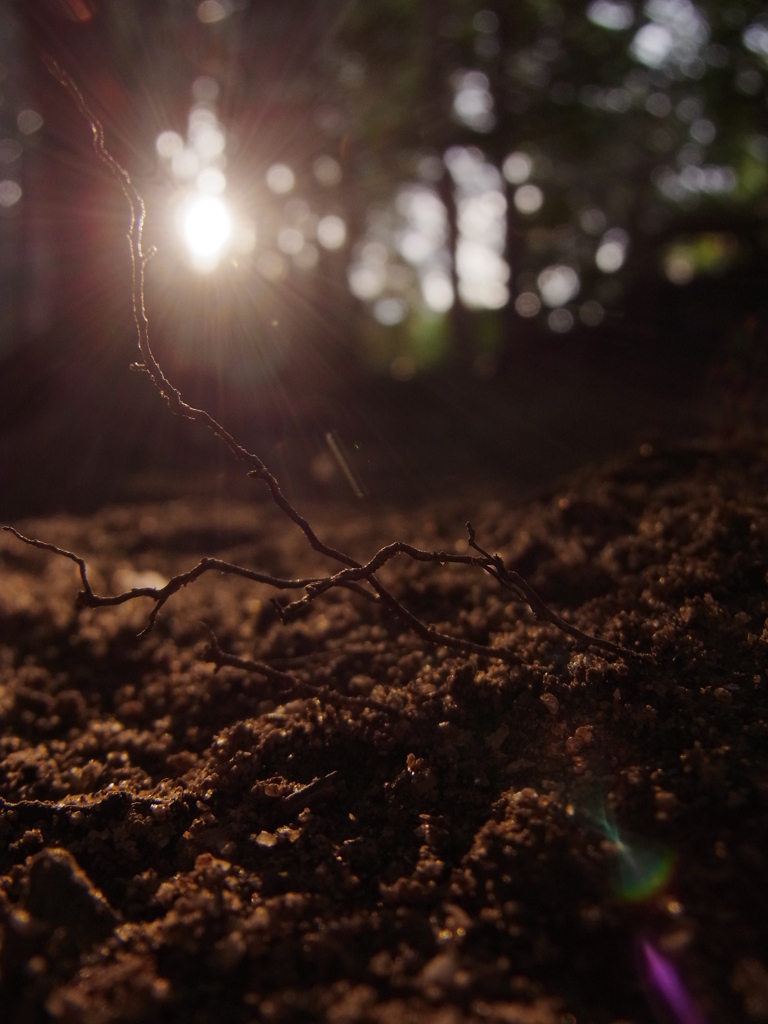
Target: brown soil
(475, 842)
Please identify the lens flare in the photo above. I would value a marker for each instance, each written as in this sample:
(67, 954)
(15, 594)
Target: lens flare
(642, 869)
(207, 228)
(665, 988)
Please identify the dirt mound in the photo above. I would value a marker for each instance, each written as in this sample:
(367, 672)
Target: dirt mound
(575, 839)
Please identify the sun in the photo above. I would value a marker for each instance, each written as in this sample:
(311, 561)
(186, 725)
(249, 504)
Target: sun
(207, 229)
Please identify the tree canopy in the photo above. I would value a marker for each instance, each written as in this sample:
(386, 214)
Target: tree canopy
(404, 164)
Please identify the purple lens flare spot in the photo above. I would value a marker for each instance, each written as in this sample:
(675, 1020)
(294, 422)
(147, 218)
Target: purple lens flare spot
(664, 983)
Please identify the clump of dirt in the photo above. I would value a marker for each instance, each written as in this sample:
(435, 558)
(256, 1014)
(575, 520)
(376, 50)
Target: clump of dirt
(458, 840)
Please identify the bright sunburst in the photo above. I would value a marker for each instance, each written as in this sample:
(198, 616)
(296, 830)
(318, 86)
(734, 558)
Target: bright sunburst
(207, 228)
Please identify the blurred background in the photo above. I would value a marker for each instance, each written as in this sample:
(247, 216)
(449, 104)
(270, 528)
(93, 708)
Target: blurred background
(404, 248)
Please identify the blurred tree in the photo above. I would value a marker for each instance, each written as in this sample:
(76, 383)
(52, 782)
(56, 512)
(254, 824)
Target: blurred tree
(630, 140)
(531, 161)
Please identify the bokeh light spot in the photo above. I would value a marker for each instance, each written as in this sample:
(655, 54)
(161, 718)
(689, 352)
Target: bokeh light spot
(755, 38)
(517, 168)
(473, 102)
(558, 284)
(711, 252)
(327, 171)
(207, 138)
(560, 321)
(528, 304)
(528, 199)
(185, 164)
(205, 89)
(482, 275)
(611, 14)
(610, 257)
(211, 11)
(331, 232)
(280, 179)
(211, 181)
(390, 311)
(290, 241)
(703, 131)
(29, 121)
(486, 21)
(437, 290)
(679, 269)
(367, 281)
(10, 193)
(689, 108)
(592, 220)
(652, 45)
(415, 247)
(591, 313)
(168, 144)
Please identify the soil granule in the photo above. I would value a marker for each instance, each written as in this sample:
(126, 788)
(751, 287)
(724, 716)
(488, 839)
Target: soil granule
(462, 840)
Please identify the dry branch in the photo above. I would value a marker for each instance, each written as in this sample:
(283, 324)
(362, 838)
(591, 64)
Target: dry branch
(359, 577)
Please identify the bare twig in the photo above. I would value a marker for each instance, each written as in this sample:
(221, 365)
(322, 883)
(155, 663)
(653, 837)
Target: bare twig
(355, 576)
(88, 598)
(511, 580)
